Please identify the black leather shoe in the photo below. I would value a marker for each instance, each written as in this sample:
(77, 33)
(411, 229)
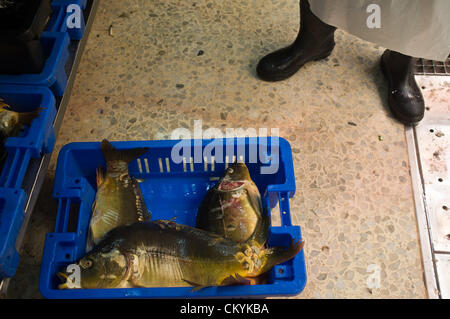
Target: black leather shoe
(405, 98)
(315, 41)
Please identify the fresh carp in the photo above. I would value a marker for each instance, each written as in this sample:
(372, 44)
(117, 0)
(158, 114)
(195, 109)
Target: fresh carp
(11, 123)
(119, 199)
(233, 208)
(166, 254)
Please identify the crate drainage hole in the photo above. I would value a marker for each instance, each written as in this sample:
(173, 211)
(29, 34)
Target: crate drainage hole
(67, 256)
(139, 165)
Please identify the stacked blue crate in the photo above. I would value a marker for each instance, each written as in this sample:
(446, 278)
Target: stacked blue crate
(53, 75)
(28, 92)
(55, 41)
(33, 141)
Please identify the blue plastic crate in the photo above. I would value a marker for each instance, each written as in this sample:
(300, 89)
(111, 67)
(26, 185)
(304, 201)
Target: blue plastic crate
(60, 15)
(33, 141)
(53, 75)
(170, 190)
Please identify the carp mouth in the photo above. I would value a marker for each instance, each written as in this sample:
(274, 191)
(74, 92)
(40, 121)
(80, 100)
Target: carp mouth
(64, 279)
(228, 186)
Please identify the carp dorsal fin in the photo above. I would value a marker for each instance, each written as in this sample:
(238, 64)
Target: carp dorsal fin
(144, 215)
(101, 175)
(235, 280)
(112, 154)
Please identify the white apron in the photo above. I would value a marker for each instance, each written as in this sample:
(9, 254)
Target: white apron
(418, 28)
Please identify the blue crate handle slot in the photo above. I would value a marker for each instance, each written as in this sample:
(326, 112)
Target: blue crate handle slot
(12, 214)
(62, 218)
(285, 209)
(77, 190)
(16, 167)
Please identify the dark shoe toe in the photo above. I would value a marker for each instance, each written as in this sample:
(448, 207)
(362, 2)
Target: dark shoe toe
(407, 109)
(405, 99)
(275, 66)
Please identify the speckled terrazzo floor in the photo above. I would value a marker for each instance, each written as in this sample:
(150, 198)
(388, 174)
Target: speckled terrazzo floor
(354, 198)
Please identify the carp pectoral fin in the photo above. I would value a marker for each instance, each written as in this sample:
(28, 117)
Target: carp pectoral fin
(134, 285)
(196, 286)
(235, 280)
(259, 280)
(101, 175)
(62, 276)
(279, 255)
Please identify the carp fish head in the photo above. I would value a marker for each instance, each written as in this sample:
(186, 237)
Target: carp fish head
(237, 171)
(104, 267)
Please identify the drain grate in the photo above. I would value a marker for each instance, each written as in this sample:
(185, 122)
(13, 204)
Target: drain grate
(429, 67)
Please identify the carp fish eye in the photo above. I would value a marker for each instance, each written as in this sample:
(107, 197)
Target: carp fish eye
(85, 264)
(230, 170)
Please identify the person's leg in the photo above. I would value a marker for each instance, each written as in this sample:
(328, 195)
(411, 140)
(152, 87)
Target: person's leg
(315, 41)
(405, 98)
